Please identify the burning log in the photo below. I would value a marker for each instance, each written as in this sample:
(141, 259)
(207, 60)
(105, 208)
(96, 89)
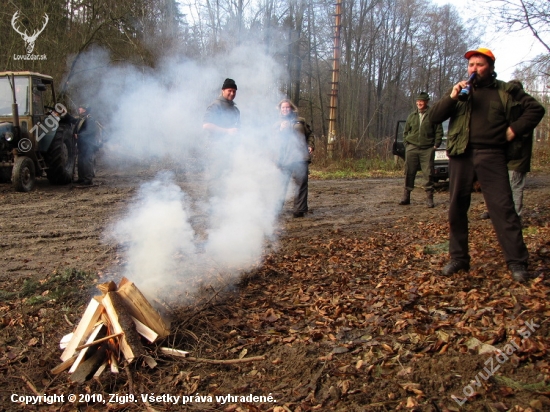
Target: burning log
(82, 353)
(122, 323)
(87, 368)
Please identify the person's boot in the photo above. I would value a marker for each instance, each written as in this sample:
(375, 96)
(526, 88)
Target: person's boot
(430, 198)
(406, 198)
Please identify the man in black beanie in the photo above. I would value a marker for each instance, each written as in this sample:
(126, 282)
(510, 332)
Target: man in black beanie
(222, 121)
(223, 117)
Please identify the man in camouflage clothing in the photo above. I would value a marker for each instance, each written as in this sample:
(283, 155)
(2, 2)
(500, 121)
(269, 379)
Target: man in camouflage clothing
(421, 137)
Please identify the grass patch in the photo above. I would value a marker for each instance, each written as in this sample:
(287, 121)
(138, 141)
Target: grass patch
(60, 286)
(530, 230)
(436, 249)
(532, 387)
(385, 166)
(357, 169)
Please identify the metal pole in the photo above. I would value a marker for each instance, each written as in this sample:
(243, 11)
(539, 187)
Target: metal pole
(335, 78)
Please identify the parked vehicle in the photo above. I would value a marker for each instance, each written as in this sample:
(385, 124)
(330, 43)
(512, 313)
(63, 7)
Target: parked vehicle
(35, 135)
(440, 171)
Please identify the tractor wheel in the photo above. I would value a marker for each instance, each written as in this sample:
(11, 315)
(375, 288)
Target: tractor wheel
(23, 175)
(61, 157)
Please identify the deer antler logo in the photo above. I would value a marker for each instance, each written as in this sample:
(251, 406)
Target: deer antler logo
(29, 40)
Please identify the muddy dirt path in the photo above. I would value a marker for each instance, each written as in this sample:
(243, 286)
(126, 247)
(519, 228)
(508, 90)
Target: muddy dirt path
(58, 227)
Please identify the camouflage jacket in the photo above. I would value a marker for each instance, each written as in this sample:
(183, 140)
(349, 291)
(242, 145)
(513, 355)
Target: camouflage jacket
(424, 135)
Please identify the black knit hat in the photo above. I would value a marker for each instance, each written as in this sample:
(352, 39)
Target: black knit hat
(229, 84)
(423, 96)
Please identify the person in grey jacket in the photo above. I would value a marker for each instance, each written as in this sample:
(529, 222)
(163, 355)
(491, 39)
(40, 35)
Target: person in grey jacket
(481, 128)
(297, 143)
(421, 137)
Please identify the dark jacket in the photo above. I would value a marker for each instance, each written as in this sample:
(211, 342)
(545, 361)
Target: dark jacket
(223, 113)
(523, 162)
(500, 114)
(87, 130)
(425, 135)
(294, 140)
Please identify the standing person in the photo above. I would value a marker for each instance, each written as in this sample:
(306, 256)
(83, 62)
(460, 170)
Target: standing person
(85, 132)
(493, 114)
(297, 143)
(421, 137)
(222, 121)
(518, 168)
(222, 117)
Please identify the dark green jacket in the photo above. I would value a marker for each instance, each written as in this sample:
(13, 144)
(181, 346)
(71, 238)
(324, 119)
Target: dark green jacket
(425, 135)
(522, 111)
(523, 162)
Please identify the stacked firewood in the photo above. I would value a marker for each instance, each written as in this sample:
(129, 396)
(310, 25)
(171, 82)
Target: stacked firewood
(110, 332)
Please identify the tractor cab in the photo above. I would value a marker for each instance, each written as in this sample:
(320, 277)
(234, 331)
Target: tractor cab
(35, 133)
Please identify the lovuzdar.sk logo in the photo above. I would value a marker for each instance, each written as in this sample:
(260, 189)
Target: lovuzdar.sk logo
(29, 39)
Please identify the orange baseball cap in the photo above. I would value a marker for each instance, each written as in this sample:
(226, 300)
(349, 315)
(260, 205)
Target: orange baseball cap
(481, 50)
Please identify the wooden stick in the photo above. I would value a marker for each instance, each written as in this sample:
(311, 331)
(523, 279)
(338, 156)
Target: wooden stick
(68, 321)
(83, 352)
(140, 308)
(174, 352)
(99, 341)
(30, 385)
(227, 361)
(114, 363)
(85, 326)
(64, 365)
(115, 319)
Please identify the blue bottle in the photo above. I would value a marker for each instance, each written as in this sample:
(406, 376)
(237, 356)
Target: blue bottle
(465, 92)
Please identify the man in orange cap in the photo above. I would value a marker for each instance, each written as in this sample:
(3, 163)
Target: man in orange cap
(481, 126)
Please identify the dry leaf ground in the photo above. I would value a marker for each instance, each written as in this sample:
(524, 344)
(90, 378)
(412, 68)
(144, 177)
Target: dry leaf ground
(349, 309)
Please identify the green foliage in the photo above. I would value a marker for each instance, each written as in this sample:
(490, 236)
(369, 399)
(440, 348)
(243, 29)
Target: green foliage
(533, 387)
(436, 249)
(530, 230)
(60, 286)
(30, 286)
(357, 169)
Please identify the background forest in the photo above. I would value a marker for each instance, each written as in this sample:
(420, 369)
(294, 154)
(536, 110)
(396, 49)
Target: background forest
(390, 49)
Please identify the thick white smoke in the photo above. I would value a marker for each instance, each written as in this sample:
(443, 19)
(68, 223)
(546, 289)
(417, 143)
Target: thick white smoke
(158, 115)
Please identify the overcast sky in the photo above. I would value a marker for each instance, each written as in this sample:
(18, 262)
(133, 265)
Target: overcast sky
(510, 50)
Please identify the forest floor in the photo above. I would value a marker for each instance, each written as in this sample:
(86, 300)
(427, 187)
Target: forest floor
(349, 311)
